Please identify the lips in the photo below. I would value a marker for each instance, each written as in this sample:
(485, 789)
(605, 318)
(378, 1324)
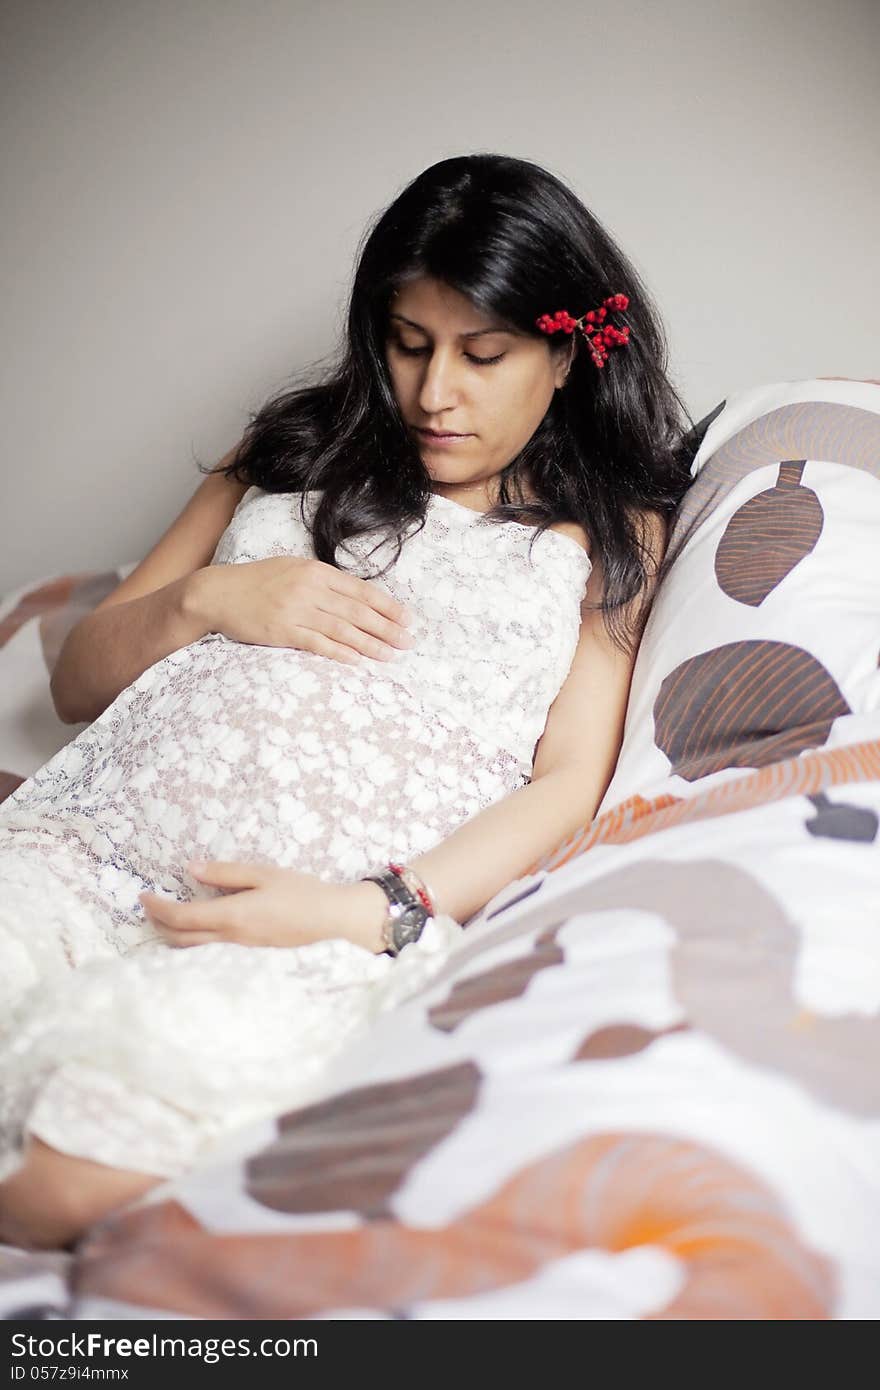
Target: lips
(441, 434)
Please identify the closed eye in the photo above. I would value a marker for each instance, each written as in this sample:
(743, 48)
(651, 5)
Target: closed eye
(479, 361)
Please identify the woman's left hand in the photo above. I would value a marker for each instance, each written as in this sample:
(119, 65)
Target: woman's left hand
(265, 906)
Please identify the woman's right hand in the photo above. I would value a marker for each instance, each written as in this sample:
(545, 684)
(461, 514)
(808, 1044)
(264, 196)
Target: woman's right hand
(300, 602)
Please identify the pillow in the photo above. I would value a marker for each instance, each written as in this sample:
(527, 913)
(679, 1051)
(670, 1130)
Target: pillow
(764, 636)
(642, 1085)
(34, 621)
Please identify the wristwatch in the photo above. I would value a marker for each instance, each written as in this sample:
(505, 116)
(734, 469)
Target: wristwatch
(406, 915)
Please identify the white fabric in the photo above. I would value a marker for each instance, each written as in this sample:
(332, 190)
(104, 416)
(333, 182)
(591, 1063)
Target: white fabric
(826, 606)
(119, 1048)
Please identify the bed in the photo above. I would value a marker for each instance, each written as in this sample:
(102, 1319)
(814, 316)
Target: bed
(644, 1085)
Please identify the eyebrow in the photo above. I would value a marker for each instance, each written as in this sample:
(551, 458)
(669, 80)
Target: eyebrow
(474, 333)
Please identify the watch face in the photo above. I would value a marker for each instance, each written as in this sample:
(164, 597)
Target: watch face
(409, 924)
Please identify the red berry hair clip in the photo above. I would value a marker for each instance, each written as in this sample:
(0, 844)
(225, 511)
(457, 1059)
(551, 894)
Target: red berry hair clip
(600, 335)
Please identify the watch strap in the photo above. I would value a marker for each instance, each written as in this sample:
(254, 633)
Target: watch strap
(405, 916)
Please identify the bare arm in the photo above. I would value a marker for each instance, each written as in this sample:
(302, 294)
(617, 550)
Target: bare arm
(149, 614)
(573, 766)
(109, 648)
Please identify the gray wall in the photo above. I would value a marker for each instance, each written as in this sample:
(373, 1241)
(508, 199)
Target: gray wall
(186, 182)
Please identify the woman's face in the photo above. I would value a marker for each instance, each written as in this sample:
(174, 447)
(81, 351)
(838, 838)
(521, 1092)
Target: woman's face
(434, 341)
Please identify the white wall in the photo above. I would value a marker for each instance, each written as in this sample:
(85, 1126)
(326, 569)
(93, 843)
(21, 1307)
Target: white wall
(186, 182)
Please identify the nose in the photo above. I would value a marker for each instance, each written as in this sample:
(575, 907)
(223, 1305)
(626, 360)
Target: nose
(439, 389)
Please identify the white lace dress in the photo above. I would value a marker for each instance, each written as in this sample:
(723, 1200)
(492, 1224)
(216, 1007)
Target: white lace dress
(117, 1047)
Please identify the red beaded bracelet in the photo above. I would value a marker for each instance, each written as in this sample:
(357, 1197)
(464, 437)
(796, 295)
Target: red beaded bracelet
(416, 885)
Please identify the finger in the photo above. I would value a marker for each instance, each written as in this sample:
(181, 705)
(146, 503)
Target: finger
(392, 626)
(355, 647)
(306, 639)
(178, 915)
(365, 592)
(184, 933)
(340, 653)
(219, 917)
(172, 937)
(154, 906)
(185, 916)
(228, 874)
(344, 622)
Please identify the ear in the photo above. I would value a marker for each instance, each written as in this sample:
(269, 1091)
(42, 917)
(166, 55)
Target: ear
(563, 365)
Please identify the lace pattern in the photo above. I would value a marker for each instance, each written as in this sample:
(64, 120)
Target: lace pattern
(227, 750)
(495, 628)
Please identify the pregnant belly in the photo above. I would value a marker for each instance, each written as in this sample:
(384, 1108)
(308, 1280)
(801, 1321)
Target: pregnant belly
(269, 755)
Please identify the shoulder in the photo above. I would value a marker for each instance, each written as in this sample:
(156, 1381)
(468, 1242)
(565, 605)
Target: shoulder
(574, 531)
(651, 530)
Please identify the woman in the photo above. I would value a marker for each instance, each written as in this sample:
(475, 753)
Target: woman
(498, 450)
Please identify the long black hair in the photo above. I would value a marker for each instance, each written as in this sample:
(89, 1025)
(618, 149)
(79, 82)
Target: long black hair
(516, 242)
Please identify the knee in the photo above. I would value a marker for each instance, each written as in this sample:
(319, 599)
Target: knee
(49, 1224)
(53, 1198)
(36, 1215)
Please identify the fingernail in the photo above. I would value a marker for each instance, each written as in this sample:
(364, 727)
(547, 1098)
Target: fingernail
(197, 866)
